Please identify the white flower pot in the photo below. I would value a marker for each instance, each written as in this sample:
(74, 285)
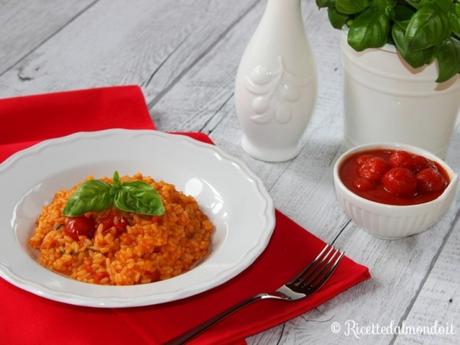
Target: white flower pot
(385, 100)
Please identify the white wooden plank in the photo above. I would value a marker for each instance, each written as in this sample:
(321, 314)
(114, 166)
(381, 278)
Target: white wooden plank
(121, 42)
(439, 300)
(26, 24)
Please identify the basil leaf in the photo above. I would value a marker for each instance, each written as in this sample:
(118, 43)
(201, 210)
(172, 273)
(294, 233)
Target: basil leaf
(427, 28)
(448, 55)
(116, 180)
(337, 19)
(369, 30)
(413, 3)
(454, 17)
(414, 58)
(444, 5)
(403, 12)
(324, 3)
(93, 195)
(139, 197)
(351, 6)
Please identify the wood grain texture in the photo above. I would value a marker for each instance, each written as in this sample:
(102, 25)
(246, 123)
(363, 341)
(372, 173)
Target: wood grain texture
(124, 42)
(438, 302)
(26, 24)
(185, 55)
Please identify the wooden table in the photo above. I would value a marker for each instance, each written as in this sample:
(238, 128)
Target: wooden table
(184, 54)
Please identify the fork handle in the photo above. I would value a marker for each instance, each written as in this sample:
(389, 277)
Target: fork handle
(181, 339)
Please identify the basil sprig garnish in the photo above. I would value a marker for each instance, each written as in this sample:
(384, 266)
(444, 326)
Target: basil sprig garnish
(95, 195)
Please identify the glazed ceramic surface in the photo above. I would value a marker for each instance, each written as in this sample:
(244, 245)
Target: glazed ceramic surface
(276, 84)
(385, 100)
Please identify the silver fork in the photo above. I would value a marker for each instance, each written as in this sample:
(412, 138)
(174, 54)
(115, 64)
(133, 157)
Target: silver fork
(309, 280)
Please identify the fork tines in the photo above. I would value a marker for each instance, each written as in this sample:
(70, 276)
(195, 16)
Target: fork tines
(318, 271)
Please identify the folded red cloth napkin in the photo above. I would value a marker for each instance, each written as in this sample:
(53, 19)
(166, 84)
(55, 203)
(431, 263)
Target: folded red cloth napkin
(26, 318)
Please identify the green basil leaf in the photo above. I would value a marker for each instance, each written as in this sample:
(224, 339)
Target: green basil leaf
(324, 3)
(427, 28)
(414, 58)
(337, 19)
(444, 5)
(403, 12)
(448, 55)
(369, 30)
(139, 197)
(116, 183)
(93, 195)
(413, 3)
(351, 6)
(384, 4)
(454, 17)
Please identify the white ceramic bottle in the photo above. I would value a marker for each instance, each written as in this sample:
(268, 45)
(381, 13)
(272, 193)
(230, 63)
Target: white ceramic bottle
(276, 84)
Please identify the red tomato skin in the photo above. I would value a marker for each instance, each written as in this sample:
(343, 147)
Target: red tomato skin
(373, 169)
(80, 226)
(418, 163)
(401, 159)
(363, 184)
(430, 180)
(113, 219)
(363, 159)
(400, 182)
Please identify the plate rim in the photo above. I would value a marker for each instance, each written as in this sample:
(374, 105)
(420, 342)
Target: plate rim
(113, 301)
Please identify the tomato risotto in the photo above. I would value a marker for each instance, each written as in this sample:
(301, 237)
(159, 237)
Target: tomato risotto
(115, 238)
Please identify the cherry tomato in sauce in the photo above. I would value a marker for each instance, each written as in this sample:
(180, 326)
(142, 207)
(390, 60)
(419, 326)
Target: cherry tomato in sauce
(401, 159)
(363, 184)
(371, 174)
(419, 163)
(430, 180)
(80, 226)
(374, 168)
(363, 159)
(400, 182)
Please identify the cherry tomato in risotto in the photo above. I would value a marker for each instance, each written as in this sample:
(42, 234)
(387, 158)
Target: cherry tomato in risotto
(80, 226)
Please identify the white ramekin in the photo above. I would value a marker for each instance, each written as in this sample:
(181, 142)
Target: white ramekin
(393, 221)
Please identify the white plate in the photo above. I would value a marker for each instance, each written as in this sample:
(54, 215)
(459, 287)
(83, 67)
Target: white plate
(232, 196)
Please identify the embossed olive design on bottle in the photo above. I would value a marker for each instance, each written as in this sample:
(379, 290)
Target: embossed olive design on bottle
(274, 91)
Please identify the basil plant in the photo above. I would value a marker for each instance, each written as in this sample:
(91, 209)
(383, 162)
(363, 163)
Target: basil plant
(421, 30)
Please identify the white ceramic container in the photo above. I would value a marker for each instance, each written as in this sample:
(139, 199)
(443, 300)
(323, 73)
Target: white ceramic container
(391, 221)
(275, 87)
(385, 100)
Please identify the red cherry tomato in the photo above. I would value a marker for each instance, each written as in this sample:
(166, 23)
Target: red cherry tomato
(418, 163)
(401, 159)
(373, 169)
(430, 180)
(363, 159)
(80, 226)
(113, 219)
(400, 182)
(363, 184)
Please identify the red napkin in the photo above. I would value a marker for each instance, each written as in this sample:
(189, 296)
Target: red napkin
(26, 318)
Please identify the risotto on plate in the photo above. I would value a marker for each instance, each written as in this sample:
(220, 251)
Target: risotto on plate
(121, 231)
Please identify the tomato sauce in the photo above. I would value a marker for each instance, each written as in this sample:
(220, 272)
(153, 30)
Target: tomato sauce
(393, 177)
